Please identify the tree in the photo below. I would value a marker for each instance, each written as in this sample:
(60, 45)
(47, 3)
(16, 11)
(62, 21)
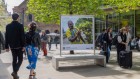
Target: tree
(122, 5)
(4, 18)
(49, 11)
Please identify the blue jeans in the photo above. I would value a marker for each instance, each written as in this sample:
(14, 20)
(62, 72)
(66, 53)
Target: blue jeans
(107, 54)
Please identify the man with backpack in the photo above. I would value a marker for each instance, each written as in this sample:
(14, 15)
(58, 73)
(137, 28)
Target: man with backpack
(99, 39)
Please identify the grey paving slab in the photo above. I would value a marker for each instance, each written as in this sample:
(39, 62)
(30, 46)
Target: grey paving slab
(4, 74)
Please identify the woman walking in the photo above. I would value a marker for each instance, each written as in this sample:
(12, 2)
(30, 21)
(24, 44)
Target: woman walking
(44, 41)
(32, 48)
(108, 40)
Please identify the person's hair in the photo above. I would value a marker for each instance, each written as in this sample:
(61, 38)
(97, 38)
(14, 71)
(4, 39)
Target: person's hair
(15, 16)
(108, 29)
(43, 31)
(33, 26)
(123, 29)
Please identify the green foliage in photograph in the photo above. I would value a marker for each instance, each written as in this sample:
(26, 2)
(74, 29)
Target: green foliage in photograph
(85, 26)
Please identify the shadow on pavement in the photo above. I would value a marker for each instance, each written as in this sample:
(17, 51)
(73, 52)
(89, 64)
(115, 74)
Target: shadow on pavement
(92, 71)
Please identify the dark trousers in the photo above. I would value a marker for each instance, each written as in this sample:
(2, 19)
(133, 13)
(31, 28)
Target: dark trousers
(17, 59)
(110, 46)
(118, 53)
(107, 54)
(56, 44)
(106, 48)
(49, 43)
(0, 49)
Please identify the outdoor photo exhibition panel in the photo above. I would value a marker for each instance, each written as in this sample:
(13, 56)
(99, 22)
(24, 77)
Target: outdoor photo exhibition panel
(77, 32)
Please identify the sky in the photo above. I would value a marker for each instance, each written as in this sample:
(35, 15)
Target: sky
(12, 3)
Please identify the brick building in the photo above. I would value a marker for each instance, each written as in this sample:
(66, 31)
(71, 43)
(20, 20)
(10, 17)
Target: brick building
(25, 19)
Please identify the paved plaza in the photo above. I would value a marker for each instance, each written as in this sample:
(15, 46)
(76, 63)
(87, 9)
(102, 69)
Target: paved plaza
(72, 69)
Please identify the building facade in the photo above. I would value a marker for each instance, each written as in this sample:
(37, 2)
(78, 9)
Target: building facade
(25, 19)
(119, 20)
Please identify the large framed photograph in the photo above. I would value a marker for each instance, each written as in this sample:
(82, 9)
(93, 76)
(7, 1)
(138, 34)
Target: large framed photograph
(77, 32)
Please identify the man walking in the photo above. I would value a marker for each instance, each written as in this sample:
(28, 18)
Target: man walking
(15, 40)
(1, 41)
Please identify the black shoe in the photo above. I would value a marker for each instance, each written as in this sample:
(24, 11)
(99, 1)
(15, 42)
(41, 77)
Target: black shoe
(71, 52)
(15, 76)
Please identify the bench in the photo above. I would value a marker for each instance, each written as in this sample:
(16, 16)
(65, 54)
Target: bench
(99, 59)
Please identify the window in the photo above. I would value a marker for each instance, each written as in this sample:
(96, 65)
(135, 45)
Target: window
(30, 17)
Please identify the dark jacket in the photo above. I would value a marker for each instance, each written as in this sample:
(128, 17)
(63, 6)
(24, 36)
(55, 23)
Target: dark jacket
(120, 46)
(44, 38)
(106, 38)
(56, 39)
(33, 38)
(14, 36)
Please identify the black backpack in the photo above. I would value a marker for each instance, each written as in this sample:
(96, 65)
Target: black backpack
(30, 37)
(115, 40)
(100, 38)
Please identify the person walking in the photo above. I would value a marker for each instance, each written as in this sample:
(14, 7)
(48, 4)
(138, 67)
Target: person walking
(107, 39)
(15, 41)
(56, 40)
(1, 42)
(33, 43)
(50, 42)
(99, 39)
(44, 41)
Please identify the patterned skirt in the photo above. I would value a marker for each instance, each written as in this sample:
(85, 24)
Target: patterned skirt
(32, 54)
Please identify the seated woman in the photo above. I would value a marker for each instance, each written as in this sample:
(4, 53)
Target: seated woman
(32, 48)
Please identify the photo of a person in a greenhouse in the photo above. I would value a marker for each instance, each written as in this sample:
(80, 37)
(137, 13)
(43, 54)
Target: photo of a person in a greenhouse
(74, 34)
